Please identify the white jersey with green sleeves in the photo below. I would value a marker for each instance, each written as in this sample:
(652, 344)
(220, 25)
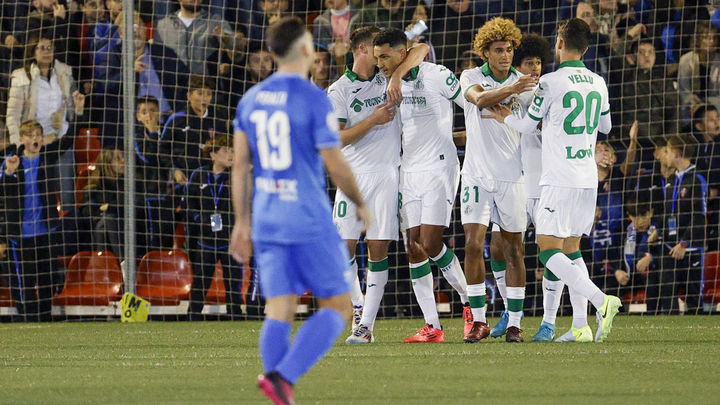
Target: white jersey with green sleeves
(492, 149)
(573, 104)
(426, 114)
(354, 99)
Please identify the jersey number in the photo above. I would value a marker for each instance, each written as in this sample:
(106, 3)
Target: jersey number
(272, 132)
(591, 120)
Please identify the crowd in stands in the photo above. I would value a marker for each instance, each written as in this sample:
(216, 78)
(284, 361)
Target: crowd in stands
(61, 70)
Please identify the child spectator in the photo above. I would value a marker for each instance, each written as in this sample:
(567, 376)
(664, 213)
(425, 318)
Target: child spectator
(641, 248)
(31, 214)
(683, 231)
(210, 219)
(653, 184)
(187, 131)
(104, 203)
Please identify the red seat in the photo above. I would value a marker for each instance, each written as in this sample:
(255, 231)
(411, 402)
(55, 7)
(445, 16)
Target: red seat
(179, 237)
(164, 277)
(639, 297)
(712, 277)
(93, 278)
(5, 296)
(87, 148)
(216, 292)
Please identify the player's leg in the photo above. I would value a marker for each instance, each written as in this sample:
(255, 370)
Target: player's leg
(498, 265)
(356, 296)
(377, 278)
(475, 275)
(274, 346)
(349, 228)
(580, 330)
(514, 251)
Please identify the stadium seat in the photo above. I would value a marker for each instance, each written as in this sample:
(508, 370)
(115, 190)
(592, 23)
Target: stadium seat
(93, 278)
(216, 292)
(5, 295)
(712, 277)
(164, 277)
(87, 148)
(179, 237)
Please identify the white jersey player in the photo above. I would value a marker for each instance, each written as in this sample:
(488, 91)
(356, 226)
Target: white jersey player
(493, 188)
(429, 172)
(370, 134)
(573, 105)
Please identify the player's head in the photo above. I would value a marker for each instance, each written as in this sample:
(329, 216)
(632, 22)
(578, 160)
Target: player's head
(291, 43)
(640, 214)
(148, 111)
(496, 42)
(200, 92)
(679, 149)
(220, 151)
(706, 120)
(532, 54)
(390, 49)
(605, 152)
(361, 44)
(31, 136)
(573, 39)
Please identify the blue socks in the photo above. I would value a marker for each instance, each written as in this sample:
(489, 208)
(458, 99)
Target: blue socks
(314, 338)
(274, 342)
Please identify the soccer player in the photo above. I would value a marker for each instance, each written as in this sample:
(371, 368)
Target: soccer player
(370, 136)
(428, 175)
(285, 128)
(493, 186)
(573, 104)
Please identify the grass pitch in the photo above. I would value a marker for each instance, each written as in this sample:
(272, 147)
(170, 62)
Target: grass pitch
(646, 360)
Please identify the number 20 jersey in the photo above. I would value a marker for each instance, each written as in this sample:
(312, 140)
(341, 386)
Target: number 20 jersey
(287, 121)
(573, 104)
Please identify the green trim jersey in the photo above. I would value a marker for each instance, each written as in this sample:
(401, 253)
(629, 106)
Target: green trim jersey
(426, 114)
(492, 149)
(573, 104)
(354, 100)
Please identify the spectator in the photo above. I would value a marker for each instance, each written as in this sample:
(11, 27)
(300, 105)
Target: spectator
(597, 56)
(270, 11)
(158, 73)
(699, 72)
(383, 13)
(332, 26)
(648, 97)
(195, 36)
(321, 72)
(468, 60)
(706, 123)
(104, 203)
(31, 214)
(51, 19)
(153, 163)
(653, 184)
(683, 233)
(87, 26)
(641, 249)
(416, 11)
(187, 131)
(42, 91)
(210, 219)
(6, 147)
(452, 26)
(106, 33)
(260, 66)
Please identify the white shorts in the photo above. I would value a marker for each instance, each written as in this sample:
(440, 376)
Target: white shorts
(565, 212)
(503, 203)
(428, 197)
(380, 192)
(531, 209)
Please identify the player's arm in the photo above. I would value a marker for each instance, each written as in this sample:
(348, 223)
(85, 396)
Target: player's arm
(503, 115)
(487, 98)
(343, 178)
(415, 56)
(241, 190)
(382, 114)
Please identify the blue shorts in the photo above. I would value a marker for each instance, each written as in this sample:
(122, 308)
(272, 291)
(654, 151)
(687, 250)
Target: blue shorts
(321, 266)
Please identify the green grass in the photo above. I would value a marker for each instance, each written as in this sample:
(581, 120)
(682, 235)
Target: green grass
(646, 359)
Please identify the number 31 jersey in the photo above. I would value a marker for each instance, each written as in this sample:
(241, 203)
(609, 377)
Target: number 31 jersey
(287, 121)
(573, 104)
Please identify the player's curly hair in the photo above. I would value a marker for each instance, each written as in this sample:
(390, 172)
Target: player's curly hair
(532, 46)
(497, 29)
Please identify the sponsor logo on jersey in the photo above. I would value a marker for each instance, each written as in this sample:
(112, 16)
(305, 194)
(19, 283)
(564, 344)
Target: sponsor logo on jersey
(580, 154)
(286, 189)
(356, 105)
(356, 90)
(549, 210)
(411, 100)
(419, 85)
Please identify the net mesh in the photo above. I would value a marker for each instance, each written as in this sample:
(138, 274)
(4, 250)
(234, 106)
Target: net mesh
(63, 214)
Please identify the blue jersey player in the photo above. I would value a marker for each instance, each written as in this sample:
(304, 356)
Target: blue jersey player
(285, 129)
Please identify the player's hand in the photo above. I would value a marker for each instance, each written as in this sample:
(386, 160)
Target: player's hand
(643, 264)
(525, 83)
(59, 11)
(634, 132)
(499, 112)
(79, 101)
(394, 91)
(383, 114)
(678, 251)
(11, 164)
(364, 215)
(180, 177)
(622, 277)
(240, 243)
(140, 66)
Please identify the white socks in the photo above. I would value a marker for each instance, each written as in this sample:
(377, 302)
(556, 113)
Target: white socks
(356, 295)
(552, 293)
(377, 277)
(450, 268)
(422, 282)
(516, 300)
(476, 296)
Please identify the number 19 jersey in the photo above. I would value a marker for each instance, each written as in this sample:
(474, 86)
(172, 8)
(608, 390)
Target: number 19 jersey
(573, 104)
(288, 120)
